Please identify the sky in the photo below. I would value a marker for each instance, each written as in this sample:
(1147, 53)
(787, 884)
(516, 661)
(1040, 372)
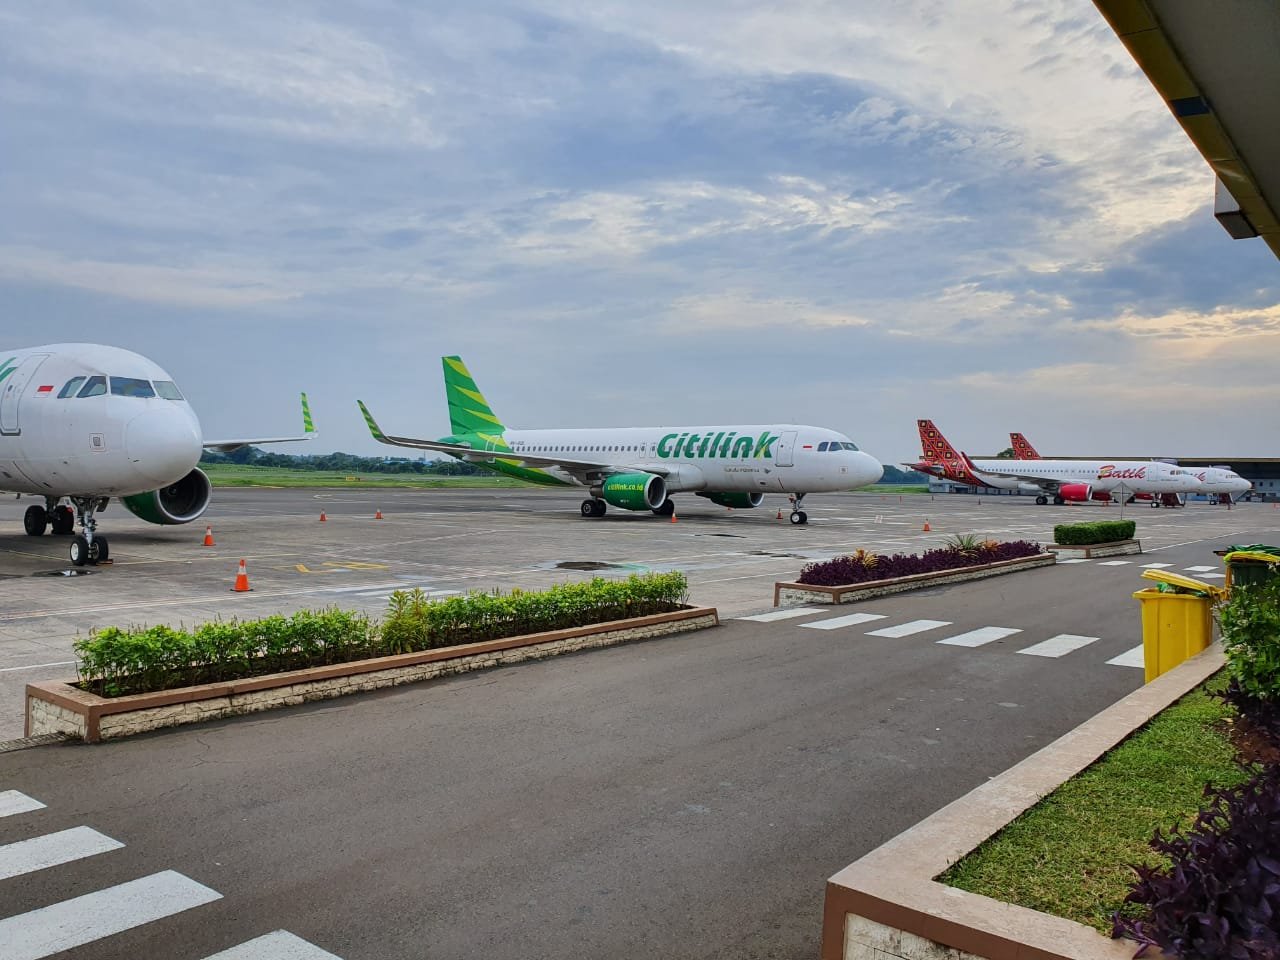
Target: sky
(848, 214)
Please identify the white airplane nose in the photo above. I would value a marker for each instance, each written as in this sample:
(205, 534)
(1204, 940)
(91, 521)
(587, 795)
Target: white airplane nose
(867, 469)
(162, 444)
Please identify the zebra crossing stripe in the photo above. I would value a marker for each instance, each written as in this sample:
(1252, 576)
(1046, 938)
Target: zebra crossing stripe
(1156, 566)
(13, 802)
(27, 856)
(73, 923)
(278, 945)
(907, 629)
(1115, 563)
(1199, 569)
(1130, 658)
(1074, 560)
(983, 635)
(835, 623)
(786, 614)
(1059, 646)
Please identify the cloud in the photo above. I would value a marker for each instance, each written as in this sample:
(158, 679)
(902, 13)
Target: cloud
(728, 313)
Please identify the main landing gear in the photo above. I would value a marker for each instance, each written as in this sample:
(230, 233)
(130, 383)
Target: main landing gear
(798, 516)
(593, 507)
(667, 508)
(52, 516)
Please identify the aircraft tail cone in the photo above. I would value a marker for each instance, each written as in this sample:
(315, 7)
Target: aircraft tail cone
(926, 528)
(242, 581)
(377, 515)
(208, 536)
(323, 518)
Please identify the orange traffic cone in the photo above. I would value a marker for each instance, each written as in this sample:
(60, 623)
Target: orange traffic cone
(779, 513)
(323, 518)
(378, 515)
(242, 581)
(673, 518)
(926, 528)
(208, 536)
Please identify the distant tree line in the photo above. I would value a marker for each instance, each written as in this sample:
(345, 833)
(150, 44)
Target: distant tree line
(353, 465)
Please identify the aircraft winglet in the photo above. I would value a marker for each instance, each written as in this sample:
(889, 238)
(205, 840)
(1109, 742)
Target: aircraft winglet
(308, 425)
(371, 423)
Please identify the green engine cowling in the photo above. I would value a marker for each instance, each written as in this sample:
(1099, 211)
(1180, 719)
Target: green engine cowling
(179, 502)
(633, 491)
(738, 501)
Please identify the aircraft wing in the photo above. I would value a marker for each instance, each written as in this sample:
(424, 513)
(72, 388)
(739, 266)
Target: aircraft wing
(309, 433)
(1044, 483)
(583, 470)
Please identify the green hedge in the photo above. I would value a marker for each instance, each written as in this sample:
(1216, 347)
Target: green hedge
(116, 661)
(1102, 531)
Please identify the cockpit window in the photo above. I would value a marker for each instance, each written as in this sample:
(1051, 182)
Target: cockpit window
(168, 390)
(131, 387)
(822, 447)
(850, 446)
(69, 390)
(93, 387)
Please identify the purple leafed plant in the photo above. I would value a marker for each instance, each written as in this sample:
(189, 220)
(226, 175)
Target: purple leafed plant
(1220, 898)
(865, 568)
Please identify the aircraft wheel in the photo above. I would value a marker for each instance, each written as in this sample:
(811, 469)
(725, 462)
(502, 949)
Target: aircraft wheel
(593, 508)
(63, 520)
(799, 517)
(79, 551)
(98, 550)
(1041, 501)
(667, 509)
(1058, 500)
(35, 520)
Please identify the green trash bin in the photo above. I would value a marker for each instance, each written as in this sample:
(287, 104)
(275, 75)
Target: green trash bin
(1248, 565)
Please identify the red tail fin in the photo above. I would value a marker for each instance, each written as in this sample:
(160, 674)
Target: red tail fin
(1022, 449)
(934, 445)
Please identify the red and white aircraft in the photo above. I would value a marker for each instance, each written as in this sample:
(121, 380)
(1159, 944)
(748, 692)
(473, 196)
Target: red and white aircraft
(1063, 480)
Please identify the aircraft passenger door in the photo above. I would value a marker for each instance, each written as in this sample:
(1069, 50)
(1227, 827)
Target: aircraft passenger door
(784, 451)
(11, 393)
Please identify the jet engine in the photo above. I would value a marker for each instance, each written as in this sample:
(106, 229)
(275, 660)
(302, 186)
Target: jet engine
(1075, 492)
(738, 501)
(180, 502)
(632, 491)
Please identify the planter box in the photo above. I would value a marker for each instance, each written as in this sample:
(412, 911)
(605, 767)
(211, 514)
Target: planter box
(887, 906)
(1088, 551)
(787, 594)
(55, 707)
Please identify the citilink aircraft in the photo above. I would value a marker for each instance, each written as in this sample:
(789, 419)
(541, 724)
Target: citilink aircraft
(83, 422)
(638, 468)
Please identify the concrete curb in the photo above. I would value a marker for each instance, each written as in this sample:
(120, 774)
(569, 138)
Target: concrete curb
(887, 906)
(1116, 548)
(786, 594)
(57, 707)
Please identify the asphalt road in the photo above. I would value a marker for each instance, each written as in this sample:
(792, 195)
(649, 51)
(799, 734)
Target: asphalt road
(683, 797)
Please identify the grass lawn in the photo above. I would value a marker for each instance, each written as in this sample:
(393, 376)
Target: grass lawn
(896, 488)
(234, 475)
(1070, 854)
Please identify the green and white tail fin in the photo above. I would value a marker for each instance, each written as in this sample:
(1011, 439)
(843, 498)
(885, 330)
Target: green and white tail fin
(469, 412)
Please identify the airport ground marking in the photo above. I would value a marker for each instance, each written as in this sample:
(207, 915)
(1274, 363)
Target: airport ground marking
(1132, 657)
(1058, 646)
(12, 802)
(980, 637)
(909, 628)
(835, 623)
(52, 849)
(37, 666)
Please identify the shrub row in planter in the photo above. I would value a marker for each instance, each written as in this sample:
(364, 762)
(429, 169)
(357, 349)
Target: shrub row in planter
(863, 567)
(116, 661)
(1103, 531)
(1219, 897)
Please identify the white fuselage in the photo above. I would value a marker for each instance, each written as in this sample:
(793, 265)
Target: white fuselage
(1219, 481)
(87, 420)
(743, 458)
(1104, 476)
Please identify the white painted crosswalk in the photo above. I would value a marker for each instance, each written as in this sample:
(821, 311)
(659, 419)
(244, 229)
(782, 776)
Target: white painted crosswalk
(1130, 658)
(1059, 646)
(980, 637)
(1115, 563)
(909, 628)
(52, 849)
(786, 613)
(837, 623)
(83, 920)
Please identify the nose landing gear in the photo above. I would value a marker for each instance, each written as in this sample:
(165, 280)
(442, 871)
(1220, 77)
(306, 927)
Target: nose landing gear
(798, 516)
(86, 548)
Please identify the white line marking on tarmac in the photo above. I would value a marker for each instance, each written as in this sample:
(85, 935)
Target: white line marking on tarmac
(13, 802)
(786, 614)
(1156, 566)
(37, 666)
(907, 629)
(1199, 569)
(278, 945)
(1115, 563)
(1075, 560)
(835, 623)
(27, 856)
(73, 923)
(1213, 576)
(983, 635)
(1059, 646)
(1130, 658)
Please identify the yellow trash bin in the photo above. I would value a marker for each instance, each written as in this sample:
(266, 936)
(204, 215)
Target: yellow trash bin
(1175, 625)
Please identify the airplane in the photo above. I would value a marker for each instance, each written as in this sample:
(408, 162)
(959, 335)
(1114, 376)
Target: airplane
(1064, 480)
(84, 422)
(638, 468)
(1223, 482)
